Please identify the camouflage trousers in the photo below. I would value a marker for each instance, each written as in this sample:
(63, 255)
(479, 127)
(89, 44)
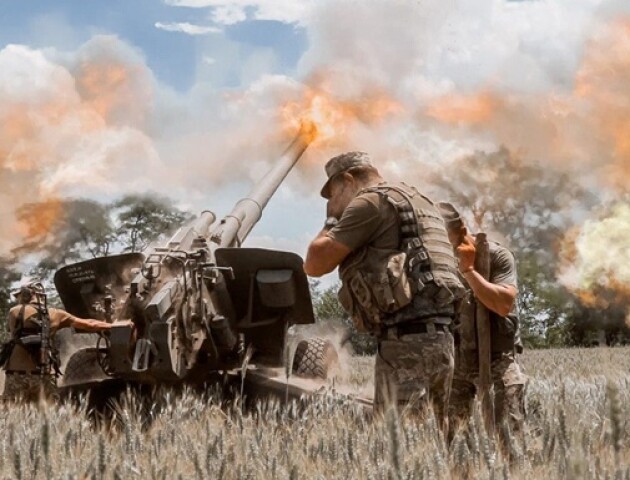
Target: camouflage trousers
(29, 387)
(508, 389)
(413, 370)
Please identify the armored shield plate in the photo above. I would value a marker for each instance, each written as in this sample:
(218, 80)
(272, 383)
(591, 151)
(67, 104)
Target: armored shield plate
(269, 291)
(82, 285)
(249, 264)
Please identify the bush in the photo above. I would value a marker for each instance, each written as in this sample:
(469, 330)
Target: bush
(329, 311)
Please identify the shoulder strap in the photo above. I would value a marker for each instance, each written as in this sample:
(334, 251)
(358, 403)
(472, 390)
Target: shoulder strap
(418, 261)
(19, 325)
(408, 221)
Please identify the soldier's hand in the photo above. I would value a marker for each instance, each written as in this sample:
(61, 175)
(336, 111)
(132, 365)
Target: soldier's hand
(466, 253)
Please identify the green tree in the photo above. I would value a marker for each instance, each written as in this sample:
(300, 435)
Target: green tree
(8, 275)
(328, 310)
(82, 229)
(545, 306)
(85, 229)
(142, 219)
(531, 207)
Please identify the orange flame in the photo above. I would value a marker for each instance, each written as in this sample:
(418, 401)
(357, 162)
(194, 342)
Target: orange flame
(36, 220)
(108, 88)
(603, 82)
(612, 294)
(330, 117)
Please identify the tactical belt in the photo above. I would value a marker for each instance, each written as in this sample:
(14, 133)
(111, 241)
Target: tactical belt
(429, 325)
(412, 328)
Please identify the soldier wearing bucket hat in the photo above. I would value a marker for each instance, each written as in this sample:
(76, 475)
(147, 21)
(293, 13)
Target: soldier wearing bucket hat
(399, 278)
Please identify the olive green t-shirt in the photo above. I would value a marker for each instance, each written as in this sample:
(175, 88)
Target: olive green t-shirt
(502, 272)
(369, 219)
(502, 266)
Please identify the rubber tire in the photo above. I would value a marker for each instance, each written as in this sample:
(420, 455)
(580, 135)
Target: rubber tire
(314, 358)
(82, 367)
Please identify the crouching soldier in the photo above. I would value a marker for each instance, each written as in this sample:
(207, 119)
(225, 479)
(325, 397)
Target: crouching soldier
(498, 295)
(29, 358)
(399, 279)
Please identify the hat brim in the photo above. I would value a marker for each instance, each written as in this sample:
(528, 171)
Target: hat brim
(325, 191)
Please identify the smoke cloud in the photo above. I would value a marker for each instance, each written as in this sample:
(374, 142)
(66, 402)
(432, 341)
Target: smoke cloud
(418, 85)
(595, 259)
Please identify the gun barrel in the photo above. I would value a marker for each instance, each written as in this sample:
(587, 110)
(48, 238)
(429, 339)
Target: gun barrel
(183, 238)
(236, 226)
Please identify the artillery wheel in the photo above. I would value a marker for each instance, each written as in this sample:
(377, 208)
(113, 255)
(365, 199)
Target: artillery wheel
(82, 367)
(314, 358)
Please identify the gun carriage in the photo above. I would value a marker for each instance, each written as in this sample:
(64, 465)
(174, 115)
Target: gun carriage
(197, 305)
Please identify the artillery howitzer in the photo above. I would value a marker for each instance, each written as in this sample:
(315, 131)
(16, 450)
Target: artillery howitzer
(196, 306)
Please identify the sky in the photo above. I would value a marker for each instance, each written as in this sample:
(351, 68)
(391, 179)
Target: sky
(175, 54)
(193, 99)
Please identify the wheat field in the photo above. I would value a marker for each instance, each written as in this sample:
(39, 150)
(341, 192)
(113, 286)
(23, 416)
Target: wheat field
(577, 427)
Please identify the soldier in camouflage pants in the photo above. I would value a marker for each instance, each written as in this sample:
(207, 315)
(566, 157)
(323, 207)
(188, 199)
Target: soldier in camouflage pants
(508, 387)
(498, 295)
(398, 276)
(414, 368)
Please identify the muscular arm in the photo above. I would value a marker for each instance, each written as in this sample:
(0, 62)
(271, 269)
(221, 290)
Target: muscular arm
(89, 325)
(498, 293)
(62, 319)
(324, 255)
(496, 297)
(358, 223)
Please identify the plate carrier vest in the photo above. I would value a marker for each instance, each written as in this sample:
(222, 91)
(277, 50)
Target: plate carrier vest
(418, 281)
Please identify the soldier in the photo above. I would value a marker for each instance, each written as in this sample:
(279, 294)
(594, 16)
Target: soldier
(29, 359)
(498, 295)
(399, 278)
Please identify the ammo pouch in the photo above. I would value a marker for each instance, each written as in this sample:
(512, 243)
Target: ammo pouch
(385, 287)
(374, 285)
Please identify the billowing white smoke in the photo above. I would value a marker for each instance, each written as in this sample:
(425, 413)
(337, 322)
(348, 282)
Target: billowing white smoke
(96, 123)
(599, 257)
(417, 84)
(70, 129)
(532, 76)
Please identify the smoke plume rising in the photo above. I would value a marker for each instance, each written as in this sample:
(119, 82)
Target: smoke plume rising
(420, 86)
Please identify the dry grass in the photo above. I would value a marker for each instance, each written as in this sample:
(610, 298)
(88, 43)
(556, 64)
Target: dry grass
(577, 428)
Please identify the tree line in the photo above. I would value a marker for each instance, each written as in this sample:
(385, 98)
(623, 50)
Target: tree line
(83, 229)
(530, 208)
